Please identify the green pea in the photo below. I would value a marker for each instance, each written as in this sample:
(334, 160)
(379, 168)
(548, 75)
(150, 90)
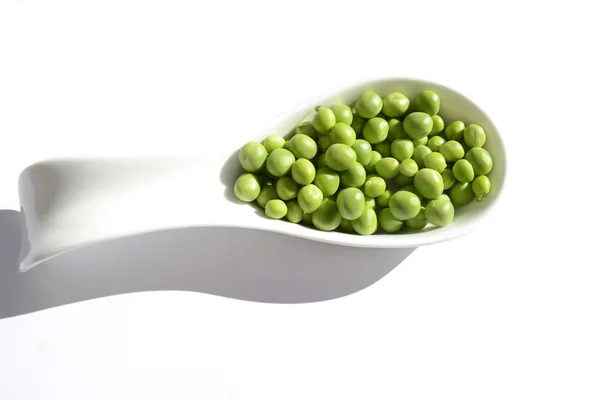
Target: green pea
(246, 187)
(438, 125)
(463, 171)
(276, 209)
(402, 149)
(404, 205)
(384, 199)
(481, 160)
(420, 142)
(448, 178)
(481, 187)
(287, 188)
(403, 180)
(357, 124)
(452, 151)
(294, 212)
(395, 104)
(408, 167)
(375, 186)
(384, 148)
(340, 157)
(435, 142)
(327, 217)
(417, 125)
(350, 203)
(375, 130)
(368, 105)
(388, 222)
(280, 162)
(324, 142)
(302, 146)
(375, 157)
(354, 176)
(321, 162)
(310, 198)
(439, 212)
(419, 155)
(346, 226)
(303, 171)
(429, 183)
(252, 156)
(307, 218)
(273, 142)
(387, 167)
(342, 113)
(363, 151)
(328, 181)
(324, 120)
(461, 194)
(428, 102)
(370, 202)
(418, 222)
(267, 192)
(474, 136)
(436, 161)
(411, 188)
(307, 128)
(343, 133)
(455, 130)
(366, 224)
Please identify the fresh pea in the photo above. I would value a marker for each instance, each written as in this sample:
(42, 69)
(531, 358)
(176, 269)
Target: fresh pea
(404, 205)
(350, 203)
(438, 125)
(388, 222)
(340, 157)
(387, 167)
(481, 187)
(419, 155)
(395, 104)
(326, 217)
(418, 222)
(436, 161)
(402, 149)
(303, 171)
(287, 188)
(375, 158)
(452, 151)
(481, 160)
(357, 124)
(417, 125)
(363, 151)
(375, 186)
(366, 224)
(306, 128)
(324, 120)
(327, 180)
(384, 148)
(463, 171)
(346, 226)
(439, 212)
(375, 130)
(310, 198)
(303, 146)
(396, 130)
(429, 183)
(384, 199)
(252, 156)
(448, 178)
(428, 102)
(435, 142)
(474, 136)
(294, 212)
(267, 192)
(246, 187)
(408, 167)
(354, 176)
(342, 113)
(461, 194)
(273, 142)
(343, 133)
(403, 180)
(324, 142)
(368, 105)
(280, 162)
(276, 209)
(455, 130)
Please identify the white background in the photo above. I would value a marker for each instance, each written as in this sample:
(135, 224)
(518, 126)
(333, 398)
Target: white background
(511, 311)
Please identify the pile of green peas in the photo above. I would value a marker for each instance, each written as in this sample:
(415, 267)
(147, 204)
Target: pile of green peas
(386, 164)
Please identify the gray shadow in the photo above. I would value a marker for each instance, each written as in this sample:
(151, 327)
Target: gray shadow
(229, 262)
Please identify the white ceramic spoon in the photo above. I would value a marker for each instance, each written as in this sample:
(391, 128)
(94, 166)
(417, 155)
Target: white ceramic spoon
(70, 203)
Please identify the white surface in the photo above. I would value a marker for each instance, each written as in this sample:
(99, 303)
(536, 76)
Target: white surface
(508, 312)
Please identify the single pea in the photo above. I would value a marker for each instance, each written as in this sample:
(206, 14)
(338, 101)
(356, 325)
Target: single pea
(403, 180)
(321, 162)
(354, 176)
(429, 183)
(310, 198)
(246, 187)
(342, 113)
(384, 199)
(375, 130)
(343, 133)
(370, 202)
(375, 157)
(448, 178)
(287, 188)
(417, 125)
(420, 142)
(346, 226)
(324, 120)
(435, 142)
(481, 160)
(350, 203)
(252, 156)
(418, 222)
(461, 194)
(294, 212)
(307, 218)
(340, 157)
(387, 167)
(384, 148)
(411, 188)
(276, 209)
(481, 187)
(402, 149)
(324, 142)
(396, 130)
(408, 167)
(326, 217)
(357, 124)
(474, 136)
(366, 224)
(404, 205)
(395, 104)
(388, 222)
(455, 130)
(303, 171)
(452, 151)
(439, 212)
(303, 146)
(463, 171)
(327, 180)
(368, 105)
(280, 162)
(267, 192)
(419, 155)
(273, 142)
(438, 125)
(363, 151)
(306, 128)
(375, 186)
(428, 102)
(436, 161)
